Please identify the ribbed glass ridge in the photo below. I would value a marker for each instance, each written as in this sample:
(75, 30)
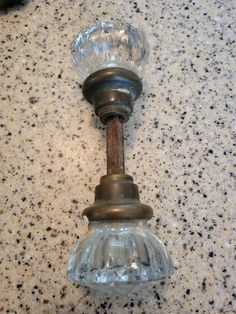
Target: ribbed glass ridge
(109, 44)
(119, 258)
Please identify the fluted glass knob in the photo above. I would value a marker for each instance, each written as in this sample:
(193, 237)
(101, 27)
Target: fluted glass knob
(109, 44)
(119, 257)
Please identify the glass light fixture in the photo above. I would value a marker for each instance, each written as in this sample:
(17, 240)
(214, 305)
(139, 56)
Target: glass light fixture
(119, 254)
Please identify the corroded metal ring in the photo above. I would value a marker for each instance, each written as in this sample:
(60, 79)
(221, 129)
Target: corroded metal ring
(117, 198)
(112, 91)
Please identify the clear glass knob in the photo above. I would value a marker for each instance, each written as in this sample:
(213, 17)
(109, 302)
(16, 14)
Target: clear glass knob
(119, 257)
(109, 44)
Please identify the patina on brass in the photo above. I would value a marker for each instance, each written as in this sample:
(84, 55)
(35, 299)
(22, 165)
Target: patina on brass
(117, 198)
(112, 92)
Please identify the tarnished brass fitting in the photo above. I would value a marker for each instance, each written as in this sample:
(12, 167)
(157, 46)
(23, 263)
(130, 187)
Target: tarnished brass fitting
(117, 198)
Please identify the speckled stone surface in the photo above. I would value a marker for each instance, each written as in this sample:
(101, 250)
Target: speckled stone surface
(180, 148)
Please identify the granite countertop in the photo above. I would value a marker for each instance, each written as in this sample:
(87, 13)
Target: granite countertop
(180, 149)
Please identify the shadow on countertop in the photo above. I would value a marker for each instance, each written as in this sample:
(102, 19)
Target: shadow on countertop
(11, 5)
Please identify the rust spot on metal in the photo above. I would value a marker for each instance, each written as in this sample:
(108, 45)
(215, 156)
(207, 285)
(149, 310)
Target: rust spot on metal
(115, 146)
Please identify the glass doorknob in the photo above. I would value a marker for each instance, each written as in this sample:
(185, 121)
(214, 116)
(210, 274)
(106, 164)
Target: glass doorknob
(119, 254)
(109, 44)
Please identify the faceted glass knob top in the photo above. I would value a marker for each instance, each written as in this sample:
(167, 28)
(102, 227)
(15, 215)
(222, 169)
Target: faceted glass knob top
(109, 44)
(119, 258)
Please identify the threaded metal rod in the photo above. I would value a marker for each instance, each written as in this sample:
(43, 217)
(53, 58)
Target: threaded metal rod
(115, 146)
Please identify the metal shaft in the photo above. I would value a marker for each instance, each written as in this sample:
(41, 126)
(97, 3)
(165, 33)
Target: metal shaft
(115, 146)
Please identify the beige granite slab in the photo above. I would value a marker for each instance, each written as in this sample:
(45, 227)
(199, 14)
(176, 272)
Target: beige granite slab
(180, 148)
